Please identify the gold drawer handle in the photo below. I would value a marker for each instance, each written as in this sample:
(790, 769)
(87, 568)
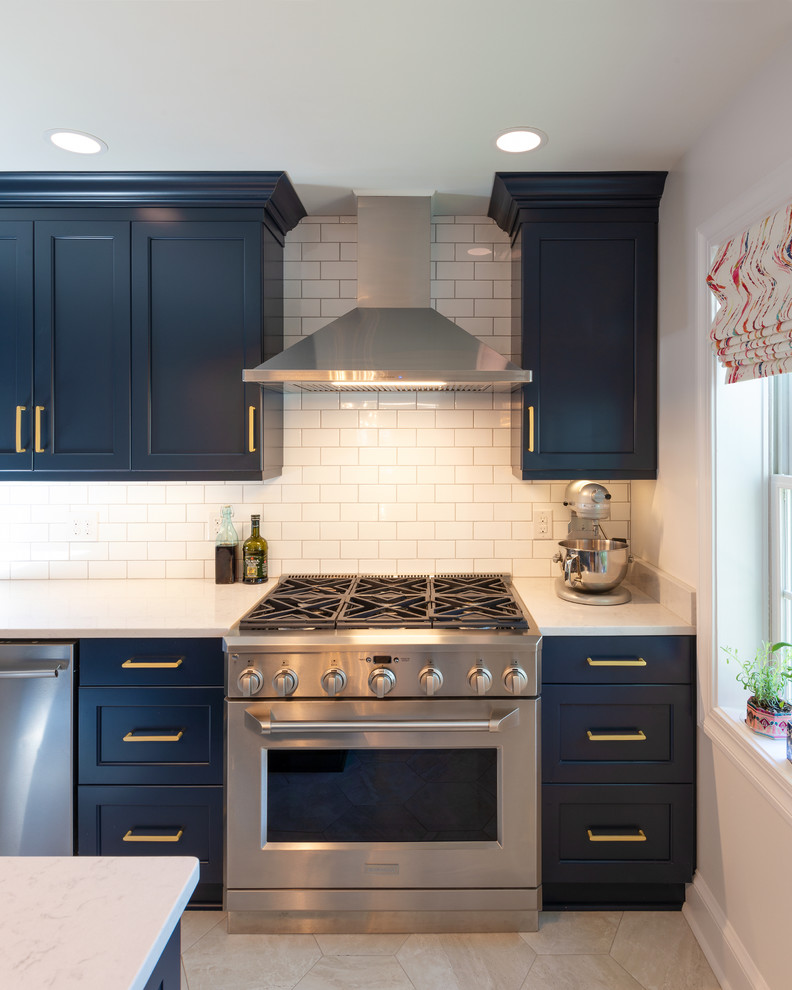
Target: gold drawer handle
(252, 429)
(606, 837)
(131, 737)
(637, 736)
(19, 448)
(129, 837)
(638, 662)
(133, 662)
(530, 429)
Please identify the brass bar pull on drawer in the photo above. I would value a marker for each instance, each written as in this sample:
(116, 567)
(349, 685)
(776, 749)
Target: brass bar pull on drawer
(637, 736)
(252, 429)
(638, 662)
(133, 736)
(19, 448)
(163, 664)
(38, 448)
(130, 837)
(598, 836)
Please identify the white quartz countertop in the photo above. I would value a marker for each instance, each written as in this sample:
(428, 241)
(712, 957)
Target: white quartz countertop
(173, 607)
(88, 922)
(642, 616)
(51, 609)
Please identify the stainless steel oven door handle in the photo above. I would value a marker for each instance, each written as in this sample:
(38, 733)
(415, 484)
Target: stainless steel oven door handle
(44, 669)
(497, 722)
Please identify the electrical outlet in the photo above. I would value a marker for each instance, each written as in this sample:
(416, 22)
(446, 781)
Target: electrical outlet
(543, 523)
(83, 527)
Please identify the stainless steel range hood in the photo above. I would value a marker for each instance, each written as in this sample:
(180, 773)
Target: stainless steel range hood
(393, 339)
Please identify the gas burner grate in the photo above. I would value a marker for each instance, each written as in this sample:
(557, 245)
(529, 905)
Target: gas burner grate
(414, 601)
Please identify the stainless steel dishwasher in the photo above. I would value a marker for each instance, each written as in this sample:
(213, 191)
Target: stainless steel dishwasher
(36, 759)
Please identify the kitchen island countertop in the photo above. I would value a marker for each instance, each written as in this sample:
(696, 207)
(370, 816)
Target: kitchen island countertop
(174, 607)
(88, 921)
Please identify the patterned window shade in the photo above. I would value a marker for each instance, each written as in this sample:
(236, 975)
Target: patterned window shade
(752, 279)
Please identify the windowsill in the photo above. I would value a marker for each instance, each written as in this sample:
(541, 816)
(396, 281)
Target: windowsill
(762, 759)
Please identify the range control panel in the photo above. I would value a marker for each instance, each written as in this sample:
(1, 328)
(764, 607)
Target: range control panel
(376, 674)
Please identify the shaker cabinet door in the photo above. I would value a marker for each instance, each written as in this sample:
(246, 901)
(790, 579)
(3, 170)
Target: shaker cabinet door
(196, 323)
(589, 300)
(80, 420)
(16, 345)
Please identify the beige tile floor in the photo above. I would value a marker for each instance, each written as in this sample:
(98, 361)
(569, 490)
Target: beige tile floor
(597, 950)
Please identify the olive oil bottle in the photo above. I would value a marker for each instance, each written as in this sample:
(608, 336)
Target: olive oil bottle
(254, 555)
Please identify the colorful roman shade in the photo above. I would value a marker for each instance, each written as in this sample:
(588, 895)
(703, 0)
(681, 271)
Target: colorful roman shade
(752, 279)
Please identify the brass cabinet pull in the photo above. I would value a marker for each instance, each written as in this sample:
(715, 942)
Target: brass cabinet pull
(638, 662)
(19, 448)
(530, 429)
(637, 736)
(133, 662)
(129, 837)
(132, 736)
(608, 837)
(38, 448)
(252, 429)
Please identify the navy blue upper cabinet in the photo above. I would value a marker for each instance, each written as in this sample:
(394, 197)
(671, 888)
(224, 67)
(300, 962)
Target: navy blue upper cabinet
(81, 344)
(584, 320)
(16, 345)
(196, 322)
(130, 304)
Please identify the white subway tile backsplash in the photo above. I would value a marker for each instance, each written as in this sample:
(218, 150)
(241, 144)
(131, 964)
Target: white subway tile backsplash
(373, 482)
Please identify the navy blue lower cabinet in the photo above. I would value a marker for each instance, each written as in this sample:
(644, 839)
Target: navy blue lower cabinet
(618, 770)
(156, 821)
(620, 733)
(167, 973)
(638, 833)
(151, 736)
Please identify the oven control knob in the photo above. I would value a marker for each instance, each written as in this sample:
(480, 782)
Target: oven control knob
(431, 680)
(285, 682)
(333, 681)
(515, 679)
(480, 679)
(250, 682)
(381, 681)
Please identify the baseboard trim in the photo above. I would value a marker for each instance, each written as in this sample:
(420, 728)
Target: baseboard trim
(720, 943)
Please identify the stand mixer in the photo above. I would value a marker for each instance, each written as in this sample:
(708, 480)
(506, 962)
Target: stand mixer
(592, 566)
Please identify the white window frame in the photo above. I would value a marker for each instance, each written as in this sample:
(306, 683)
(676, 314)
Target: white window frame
(764, 763)
(781, 558)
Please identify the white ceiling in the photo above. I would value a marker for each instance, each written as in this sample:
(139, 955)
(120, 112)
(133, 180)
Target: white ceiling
(396, 95)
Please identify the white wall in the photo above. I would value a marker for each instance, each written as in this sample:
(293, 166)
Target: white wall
(741, 834)
(386, 483)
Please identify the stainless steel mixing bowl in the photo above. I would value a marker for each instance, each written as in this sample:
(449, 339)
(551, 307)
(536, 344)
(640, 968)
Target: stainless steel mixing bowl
(593, 566)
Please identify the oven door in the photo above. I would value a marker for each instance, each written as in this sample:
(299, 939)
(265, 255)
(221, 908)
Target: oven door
(372, 794)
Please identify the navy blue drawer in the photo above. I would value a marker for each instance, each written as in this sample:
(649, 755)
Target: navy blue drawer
(151, 662)
(614, 834)
(617, 734)
(156, 821)
(151, 736)
(618, 659)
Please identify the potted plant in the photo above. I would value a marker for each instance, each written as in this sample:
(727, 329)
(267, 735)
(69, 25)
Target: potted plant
(766, 675)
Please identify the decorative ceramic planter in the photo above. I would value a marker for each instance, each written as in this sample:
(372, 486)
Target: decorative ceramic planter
(774, 724)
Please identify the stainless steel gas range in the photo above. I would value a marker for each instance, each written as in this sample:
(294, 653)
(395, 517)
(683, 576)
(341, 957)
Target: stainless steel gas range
(382, 757)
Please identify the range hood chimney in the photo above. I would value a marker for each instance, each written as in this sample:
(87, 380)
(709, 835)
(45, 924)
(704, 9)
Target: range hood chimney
(393, 339)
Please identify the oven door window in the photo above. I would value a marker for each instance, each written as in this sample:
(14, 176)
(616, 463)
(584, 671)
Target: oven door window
(382, 795)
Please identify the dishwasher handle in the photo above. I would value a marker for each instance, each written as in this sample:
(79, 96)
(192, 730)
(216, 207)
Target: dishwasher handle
(41, 668)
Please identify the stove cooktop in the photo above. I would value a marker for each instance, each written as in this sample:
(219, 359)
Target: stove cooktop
(442, 601)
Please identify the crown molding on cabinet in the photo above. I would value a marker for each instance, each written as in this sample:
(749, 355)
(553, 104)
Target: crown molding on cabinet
(270, 191)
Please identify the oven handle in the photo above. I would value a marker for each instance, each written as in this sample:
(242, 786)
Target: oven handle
(498, 722)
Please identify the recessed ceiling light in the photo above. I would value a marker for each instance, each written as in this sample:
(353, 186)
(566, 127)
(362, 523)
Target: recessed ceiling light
(518, 139)
(79, 142)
